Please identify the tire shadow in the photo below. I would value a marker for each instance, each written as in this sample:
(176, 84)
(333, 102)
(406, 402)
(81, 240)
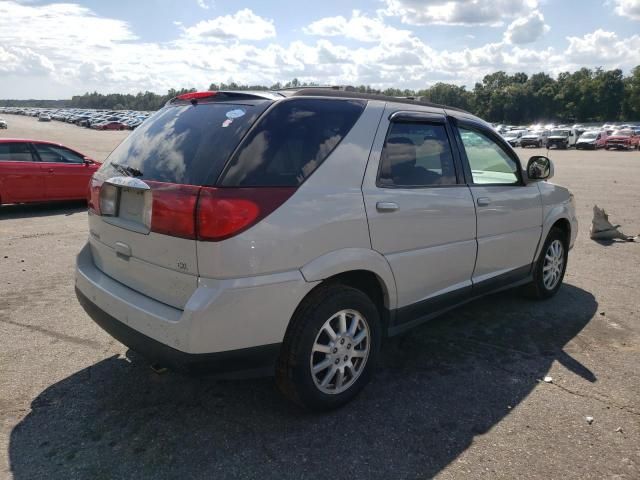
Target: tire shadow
(438, 387)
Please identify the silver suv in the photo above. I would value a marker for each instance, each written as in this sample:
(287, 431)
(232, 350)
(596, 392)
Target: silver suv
(290, 232)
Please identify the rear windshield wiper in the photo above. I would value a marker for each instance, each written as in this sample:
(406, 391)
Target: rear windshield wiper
(127, 170)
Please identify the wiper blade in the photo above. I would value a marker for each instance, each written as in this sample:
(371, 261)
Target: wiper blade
(127, 170)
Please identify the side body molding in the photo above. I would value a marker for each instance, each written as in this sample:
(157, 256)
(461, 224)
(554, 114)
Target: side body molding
(350, 259)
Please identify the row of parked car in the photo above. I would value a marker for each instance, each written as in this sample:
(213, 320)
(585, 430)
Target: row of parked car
(619, 137)
(96, 119)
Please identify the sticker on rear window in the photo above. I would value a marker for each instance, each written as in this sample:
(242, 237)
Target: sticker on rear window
(237, 113)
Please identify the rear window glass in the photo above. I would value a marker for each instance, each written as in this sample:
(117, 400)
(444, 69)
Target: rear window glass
(187, 144)
(15, 152)
(291, 141)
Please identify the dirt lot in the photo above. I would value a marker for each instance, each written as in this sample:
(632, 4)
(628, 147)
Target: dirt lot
(461, 397)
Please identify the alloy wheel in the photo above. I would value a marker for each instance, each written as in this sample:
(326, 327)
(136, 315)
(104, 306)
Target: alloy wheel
(340, 352)
(553, 265)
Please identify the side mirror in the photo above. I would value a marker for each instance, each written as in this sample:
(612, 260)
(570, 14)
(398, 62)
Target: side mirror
(88, 161)
(539, 168)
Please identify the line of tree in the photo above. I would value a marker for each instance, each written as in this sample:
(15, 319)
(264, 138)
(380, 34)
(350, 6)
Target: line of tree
(585, 95)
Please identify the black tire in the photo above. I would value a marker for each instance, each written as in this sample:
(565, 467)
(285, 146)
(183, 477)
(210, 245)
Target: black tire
(537, 289)
(293, 373)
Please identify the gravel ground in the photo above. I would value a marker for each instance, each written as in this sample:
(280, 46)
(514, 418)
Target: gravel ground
(461, 397)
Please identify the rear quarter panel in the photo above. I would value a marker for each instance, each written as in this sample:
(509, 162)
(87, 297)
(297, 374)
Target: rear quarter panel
(325, 214)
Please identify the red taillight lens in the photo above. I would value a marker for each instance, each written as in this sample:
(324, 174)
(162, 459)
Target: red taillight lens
(173, 209)
(93, 195)
(195, 95)
(225, 212)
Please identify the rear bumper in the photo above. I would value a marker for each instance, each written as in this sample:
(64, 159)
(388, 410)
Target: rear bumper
(261, 358)
(227, 325)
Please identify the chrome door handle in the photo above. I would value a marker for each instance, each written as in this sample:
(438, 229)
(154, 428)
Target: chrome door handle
(483, 201)
(387, 206)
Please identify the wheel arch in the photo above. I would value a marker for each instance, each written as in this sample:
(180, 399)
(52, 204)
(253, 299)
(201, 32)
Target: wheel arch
(557, 217)
(357, 267)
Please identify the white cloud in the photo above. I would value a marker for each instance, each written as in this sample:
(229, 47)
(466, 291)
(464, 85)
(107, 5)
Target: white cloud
(604, 49)
(628, 8)
(24, 61)
(202, 4)
(458, 12)
(358, 27)
(243, 25)
(527, 29)
(87, 53)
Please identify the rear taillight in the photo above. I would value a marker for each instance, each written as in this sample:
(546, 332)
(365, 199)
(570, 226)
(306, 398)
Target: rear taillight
(93, 195)
(108, 200)
(225, 212)
(173, 209)
(202, 213)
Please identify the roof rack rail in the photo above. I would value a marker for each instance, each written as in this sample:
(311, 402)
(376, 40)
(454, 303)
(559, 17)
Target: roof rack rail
(326, 92)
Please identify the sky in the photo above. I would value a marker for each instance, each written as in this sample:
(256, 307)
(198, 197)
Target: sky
(54, 50)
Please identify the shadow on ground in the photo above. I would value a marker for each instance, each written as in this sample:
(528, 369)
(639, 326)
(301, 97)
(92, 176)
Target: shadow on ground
(33, 210)
(438, 387)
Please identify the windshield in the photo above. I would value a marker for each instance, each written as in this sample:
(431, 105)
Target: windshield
(589, 135)
(622, 133)
(560, 133)
(184, 143)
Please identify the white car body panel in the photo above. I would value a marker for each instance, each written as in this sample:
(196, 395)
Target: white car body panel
(430, 240)
(509, 228)
(325, 214)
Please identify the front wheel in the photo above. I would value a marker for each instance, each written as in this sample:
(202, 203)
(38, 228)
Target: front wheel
(330, 349)
(550, 268)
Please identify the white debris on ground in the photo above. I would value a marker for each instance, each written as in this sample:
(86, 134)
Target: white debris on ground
(548, 379)
(589, 420)
(602, 229)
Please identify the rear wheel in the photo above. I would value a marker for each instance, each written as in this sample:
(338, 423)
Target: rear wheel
(330, 349)
(550, 268)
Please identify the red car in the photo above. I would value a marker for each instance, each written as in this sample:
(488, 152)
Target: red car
(623, 139)
(34, 171)
(113, 125)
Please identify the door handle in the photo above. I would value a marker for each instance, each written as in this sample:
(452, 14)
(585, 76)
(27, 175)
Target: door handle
(483, 201)
(387, 206)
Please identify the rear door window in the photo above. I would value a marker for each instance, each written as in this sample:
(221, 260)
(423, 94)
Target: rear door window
(417, 155)
(15, 152)
(53, 153)
(291, 141)
(184, 143)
